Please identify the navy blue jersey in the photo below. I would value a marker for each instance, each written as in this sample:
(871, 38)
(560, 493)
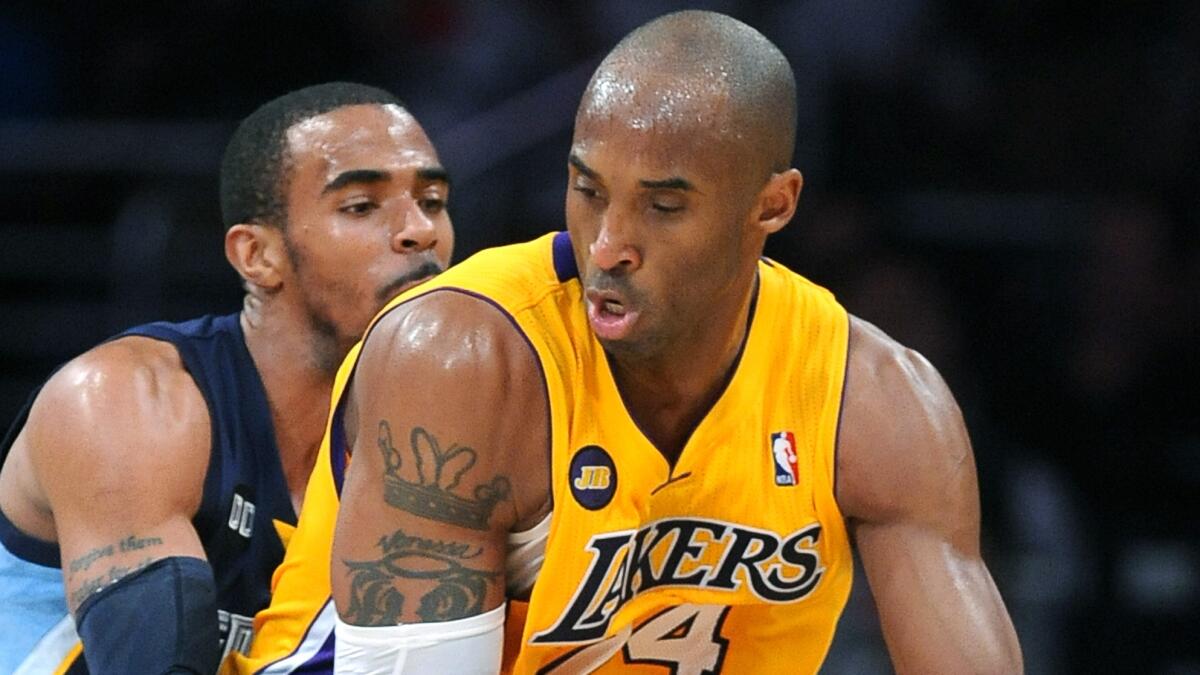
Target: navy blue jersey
(245, 491)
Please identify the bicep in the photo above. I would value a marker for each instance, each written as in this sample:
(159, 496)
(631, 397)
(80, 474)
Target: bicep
(907, 485)
(120, 453)
(432, 491)
(412, 541)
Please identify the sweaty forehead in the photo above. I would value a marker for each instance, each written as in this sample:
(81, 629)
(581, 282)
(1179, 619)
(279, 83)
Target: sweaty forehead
(680, 124)
(359, 136)
(628, 94)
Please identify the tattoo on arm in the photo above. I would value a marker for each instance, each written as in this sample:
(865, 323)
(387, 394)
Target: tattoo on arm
(460, 590)
(113, 573)
(83, 562)
(436, 494)
(130, 543)
(439, 473)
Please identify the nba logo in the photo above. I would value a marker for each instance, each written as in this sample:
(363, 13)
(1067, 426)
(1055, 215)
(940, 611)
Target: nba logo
(783, 450)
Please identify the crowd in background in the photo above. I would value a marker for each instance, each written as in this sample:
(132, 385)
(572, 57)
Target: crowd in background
(1011, 188)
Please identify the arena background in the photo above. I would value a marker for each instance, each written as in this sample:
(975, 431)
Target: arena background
(1009, 187)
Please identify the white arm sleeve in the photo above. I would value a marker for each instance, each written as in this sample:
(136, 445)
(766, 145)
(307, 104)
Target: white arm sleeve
(526, 551)
(471, 646)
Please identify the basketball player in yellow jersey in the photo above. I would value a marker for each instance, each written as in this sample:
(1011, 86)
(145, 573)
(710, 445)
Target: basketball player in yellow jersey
(709, 431)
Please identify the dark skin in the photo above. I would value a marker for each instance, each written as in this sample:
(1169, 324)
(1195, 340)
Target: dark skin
(478, 361)
(668, 218)
(117, 443)
(672, 364)
(907, 486)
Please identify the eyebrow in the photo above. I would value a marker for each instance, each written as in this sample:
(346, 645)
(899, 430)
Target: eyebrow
(428, 173)
(355, 176)
(584, 169)
(434, 173)
(672, 183)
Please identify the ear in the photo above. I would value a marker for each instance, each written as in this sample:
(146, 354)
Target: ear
(258, 253)
(777, 200)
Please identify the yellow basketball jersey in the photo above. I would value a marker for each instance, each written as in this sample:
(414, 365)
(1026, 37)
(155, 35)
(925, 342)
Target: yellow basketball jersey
(734, 560)
(295, 633)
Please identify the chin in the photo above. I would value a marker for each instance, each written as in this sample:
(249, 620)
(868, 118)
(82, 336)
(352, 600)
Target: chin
(633, 348)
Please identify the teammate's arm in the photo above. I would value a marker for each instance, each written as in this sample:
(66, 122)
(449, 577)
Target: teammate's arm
(448, 424)
(118, 443)
(906, 484)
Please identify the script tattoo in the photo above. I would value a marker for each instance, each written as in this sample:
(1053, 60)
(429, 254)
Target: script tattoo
(83, 562)
(460, 590)
(439, 473)
(113, 573)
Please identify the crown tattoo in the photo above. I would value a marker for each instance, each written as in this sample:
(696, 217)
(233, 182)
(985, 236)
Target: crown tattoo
(439, 473)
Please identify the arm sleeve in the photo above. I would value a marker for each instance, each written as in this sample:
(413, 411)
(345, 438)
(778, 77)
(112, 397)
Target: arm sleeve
(160, 619)
(471, 646)
(526, 552)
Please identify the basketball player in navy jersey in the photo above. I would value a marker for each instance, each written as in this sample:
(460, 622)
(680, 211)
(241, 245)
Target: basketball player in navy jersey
(157, 476)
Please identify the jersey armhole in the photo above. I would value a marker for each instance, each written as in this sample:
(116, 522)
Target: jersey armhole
(526, 552)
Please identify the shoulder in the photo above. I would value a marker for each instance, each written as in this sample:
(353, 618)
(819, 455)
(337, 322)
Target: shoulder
(901, 439)
(446, 346)
(456, 333)
(145, 372)
(124, 409)
(456, 368)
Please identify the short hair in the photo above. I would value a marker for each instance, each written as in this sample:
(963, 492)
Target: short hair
(254, 169)
(707, 46)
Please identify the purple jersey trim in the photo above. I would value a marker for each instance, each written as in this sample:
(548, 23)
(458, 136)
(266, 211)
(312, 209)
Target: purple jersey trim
(564, 257)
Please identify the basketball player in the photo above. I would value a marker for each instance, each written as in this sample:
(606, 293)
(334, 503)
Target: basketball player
(717, 429)
(162, 470)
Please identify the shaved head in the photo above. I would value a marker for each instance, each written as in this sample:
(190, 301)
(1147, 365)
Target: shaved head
(695, 70)
(679, 171)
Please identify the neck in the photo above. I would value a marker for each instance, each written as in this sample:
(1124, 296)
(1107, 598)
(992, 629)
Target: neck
(670, 393)
(297, 385)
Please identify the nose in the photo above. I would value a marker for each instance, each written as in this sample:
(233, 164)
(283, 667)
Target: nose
(613, 251)
(414, 231)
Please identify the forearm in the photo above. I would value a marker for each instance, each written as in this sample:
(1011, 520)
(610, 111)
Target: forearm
(939, 608)
(171, 608)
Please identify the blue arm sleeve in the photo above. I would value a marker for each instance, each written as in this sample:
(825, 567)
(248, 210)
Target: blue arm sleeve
(160, 619)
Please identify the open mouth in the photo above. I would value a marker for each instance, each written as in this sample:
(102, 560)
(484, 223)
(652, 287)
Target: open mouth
(609, 314)
(613, 307)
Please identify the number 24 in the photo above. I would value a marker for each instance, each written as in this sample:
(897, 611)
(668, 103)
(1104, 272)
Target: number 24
(685, 638)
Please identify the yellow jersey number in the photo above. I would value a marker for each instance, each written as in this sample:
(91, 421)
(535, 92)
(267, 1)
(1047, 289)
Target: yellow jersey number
(685, 638)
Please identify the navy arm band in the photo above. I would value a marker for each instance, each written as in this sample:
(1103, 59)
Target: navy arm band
(160, 619)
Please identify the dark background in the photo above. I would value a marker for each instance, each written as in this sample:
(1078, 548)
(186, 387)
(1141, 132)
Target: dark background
(1009, 187)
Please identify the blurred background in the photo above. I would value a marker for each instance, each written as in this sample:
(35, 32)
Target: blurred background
(1012, 188)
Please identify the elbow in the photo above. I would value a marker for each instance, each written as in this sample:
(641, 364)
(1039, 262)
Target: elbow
(1014, 661)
